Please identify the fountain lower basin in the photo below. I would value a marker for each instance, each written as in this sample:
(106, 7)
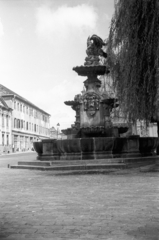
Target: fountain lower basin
(95, 148)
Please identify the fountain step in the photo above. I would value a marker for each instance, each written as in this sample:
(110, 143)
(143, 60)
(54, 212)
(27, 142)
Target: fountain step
(86, 162)
(84, 167)
(98, 161)
(66, 163)
(35, 163)
(126, 170)
(70, 167)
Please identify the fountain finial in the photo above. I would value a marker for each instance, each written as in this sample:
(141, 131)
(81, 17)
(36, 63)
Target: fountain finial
(94, 50)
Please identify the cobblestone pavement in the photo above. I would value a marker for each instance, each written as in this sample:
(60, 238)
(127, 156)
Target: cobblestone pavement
(39, 205)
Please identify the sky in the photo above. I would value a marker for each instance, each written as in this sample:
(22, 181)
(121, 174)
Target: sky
(40, 43)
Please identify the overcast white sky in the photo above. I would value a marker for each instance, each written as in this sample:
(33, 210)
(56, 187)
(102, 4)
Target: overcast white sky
(41, 41)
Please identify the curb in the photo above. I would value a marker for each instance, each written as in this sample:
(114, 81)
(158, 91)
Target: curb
(9, 154)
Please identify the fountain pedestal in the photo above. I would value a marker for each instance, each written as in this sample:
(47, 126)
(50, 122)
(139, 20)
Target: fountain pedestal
(92, 107)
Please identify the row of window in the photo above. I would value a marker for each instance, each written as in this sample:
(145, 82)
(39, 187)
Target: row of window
(3, 139)
(5, 120)
(21, 124)
(18, 138)
(32, 112)
(22, 143)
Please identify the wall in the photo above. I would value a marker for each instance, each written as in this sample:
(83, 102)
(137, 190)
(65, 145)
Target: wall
(5, 131)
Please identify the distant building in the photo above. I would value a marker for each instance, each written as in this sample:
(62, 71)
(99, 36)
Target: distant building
(5, 127)
(149, 131)
(53, 133)
(57, 134)
(28, 122)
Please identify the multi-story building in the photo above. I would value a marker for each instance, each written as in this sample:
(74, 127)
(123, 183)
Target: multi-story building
(5, 127)
(28, 122)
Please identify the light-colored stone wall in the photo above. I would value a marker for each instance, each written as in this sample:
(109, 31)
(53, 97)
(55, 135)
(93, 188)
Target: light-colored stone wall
(5, 131)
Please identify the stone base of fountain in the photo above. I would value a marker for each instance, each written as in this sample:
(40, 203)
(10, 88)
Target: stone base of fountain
(95, 148)
(94, 155)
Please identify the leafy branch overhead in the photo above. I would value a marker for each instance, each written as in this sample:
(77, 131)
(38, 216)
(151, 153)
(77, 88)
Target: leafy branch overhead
(133, 52)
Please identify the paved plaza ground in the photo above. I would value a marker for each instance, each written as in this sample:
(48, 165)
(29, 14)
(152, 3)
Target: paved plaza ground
(115, 206)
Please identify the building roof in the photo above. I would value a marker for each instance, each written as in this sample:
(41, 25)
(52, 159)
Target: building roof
(53, 129)
(6, 92)
(3, 104)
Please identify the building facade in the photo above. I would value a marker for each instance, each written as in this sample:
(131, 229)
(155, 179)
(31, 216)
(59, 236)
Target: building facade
(29, 123)
(5, 127)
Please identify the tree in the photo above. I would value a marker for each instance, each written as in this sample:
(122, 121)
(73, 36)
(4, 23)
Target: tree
(133, 56)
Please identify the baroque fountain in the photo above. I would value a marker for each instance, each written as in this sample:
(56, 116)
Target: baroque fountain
(93, 143)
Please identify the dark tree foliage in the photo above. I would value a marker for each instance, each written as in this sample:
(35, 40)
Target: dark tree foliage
(133, 54)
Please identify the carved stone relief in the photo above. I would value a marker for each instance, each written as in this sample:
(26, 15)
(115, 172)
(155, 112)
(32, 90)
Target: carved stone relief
(91, 104)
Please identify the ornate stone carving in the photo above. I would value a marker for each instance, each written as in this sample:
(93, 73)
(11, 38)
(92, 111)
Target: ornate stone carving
(94, 50)
(91, 103)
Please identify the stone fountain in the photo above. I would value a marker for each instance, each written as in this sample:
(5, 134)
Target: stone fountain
(92, 107)
(92, 139)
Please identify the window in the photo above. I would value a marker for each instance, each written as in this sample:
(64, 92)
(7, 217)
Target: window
(2, 120)
(27, 110)
(7, 140)
(21, 123)
(18, 123)
(2, 139)
(30, 126)
(18, 106)
(37, 128)
(15, 122)
(30, 111)
(21, 141)
(34, 127)
(26, 125)
(14, 104)
(15, 139)
(7, 121)
(21, 107)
